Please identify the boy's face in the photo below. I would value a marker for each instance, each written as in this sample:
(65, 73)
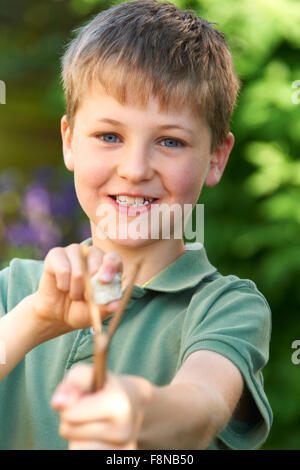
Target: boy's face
(127, 150)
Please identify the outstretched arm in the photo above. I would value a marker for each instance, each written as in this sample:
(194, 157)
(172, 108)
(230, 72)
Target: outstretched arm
(131, 413)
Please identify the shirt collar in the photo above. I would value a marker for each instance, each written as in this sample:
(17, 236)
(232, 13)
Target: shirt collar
(185, 272)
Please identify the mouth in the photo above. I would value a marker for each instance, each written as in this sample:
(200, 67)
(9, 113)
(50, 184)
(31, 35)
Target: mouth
(132, 205)
(130, 201)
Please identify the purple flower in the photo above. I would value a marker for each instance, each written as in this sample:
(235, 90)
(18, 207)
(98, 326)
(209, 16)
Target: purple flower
(44, 175)
(21, 233)
(46, 235)
(36, 201)
(49, 213)
(64, 204)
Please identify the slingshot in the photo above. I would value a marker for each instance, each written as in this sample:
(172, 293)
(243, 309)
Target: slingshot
(102, 339)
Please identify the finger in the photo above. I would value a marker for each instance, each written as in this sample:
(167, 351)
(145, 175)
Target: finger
(102, 431)
(95, 445)
(107, 404)
(57, 264)
(85, 445)
(77, 282)
(112, 306)
(107, 309)
(77, 383)
(111, 264)
(94, 260)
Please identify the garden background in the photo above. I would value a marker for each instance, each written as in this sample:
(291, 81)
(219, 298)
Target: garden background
(252, 218)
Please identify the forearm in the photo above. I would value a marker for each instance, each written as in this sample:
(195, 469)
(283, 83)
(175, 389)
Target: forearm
(181, 416)
(20, 332)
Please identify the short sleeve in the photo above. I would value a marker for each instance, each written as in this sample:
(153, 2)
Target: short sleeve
(234, 319)
(19, 279)
(4, 275)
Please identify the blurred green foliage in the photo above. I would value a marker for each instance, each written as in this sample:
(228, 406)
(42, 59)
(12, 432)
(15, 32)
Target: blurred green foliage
(252, 218)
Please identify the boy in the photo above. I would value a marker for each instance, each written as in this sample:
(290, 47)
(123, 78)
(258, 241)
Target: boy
(149, 91)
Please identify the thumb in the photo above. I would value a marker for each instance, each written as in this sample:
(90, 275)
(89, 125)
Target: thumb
(78, 382)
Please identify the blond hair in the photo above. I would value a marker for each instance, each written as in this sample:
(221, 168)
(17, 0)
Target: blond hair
(152, 48)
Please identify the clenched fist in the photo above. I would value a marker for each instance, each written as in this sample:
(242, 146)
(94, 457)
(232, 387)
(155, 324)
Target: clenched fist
(108, 419)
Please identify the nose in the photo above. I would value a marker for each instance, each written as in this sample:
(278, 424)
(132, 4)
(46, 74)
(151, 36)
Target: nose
(135, 164)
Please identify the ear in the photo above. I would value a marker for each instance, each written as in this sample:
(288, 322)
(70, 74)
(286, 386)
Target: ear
(67, 143)
(218, 161)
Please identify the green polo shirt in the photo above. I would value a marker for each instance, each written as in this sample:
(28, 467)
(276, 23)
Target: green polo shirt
(187, 307)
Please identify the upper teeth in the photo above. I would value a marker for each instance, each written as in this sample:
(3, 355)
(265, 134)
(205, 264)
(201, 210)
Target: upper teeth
(133, 201)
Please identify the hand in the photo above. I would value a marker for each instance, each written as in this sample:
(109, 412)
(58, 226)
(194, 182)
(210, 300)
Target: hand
(108, 419)
(60, 299)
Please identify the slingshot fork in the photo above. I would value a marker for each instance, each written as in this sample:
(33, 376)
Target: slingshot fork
(102, 339)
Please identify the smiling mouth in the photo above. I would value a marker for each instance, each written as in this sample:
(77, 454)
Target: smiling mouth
(128, 201)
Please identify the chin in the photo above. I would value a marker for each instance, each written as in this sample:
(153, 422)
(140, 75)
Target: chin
(133, 235)
(132, 242)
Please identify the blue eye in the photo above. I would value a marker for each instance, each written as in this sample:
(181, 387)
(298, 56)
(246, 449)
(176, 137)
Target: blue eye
(110, 138)
(172, 143)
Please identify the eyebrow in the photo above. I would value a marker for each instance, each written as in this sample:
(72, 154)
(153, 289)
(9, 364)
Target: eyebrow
(163, 127)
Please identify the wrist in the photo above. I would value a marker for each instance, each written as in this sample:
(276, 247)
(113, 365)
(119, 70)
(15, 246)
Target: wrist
(43, 328)
(141, 393)
(140, 390)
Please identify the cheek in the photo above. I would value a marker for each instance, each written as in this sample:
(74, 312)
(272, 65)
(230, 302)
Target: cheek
(188, 182)
(90, 173)
(89, 178)
(90, 167)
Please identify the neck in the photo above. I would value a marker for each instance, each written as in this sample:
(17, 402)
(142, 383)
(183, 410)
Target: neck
(156, 255)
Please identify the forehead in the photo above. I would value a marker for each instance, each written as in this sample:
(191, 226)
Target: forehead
(96, 101)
